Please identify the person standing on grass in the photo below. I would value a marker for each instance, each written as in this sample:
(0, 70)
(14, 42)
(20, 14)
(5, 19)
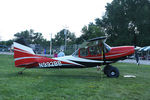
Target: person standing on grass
(61, 53)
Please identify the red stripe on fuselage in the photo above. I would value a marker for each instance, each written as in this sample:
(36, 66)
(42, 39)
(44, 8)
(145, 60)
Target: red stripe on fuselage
(114, 53)
(23, 58)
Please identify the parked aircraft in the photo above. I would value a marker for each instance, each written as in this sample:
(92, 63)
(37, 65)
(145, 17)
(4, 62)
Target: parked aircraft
(92, 53)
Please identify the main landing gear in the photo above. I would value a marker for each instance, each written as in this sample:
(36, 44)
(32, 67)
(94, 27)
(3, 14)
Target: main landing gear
(111, 71)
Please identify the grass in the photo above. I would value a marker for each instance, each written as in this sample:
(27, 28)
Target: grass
(72, 84)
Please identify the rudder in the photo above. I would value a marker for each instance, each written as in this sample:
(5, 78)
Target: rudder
(24, 56)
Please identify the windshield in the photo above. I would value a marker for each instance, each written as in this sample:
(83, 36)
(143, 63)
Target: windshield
(107, 48)
(75, 53)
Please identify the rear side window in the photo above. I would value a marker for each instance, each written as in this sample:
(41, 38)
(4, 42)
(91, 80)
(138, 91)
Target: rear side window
(95, 50)
(83, 52)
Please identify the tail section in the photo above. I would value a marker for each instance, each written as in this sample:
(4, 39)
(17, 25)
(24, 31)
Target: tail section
(23, 54)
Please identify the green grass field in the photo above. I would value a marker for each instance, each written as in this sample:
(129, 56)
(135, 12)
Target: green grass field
(72, 84)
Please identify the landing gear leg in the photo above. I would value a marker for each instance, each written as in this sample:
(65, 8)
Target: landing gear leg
(21, 72)
(111, 71)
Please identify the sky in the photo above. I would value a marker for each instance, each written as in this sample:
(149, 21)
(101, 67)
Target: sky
(48, 16)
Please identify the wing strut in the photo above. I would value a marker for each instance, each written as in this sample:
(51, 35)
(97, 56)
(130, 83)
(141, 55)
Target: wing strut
(103, 54)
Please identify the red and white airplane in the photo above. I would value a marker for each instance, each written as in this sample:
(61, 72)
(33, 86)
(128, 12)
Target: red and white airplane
(94, 52)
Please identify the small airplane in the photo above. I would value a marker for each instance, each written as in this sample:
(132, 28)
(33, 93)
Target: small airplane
(92, 53)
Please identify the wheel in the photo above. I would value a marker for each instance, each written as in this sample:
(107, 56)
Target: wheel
(106, 68)
(112, 72)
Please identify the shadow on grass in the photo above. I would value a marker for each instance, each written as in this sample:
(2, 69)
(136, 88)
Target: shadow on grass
(88, 75)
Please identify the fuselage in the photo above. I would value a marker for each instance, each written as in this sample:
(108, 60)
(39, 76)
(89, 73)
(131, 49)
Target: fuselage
(82, 58)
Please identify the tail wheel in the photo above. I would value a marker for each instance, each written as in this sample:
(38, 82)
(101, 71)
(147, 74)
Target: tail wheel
(111, 71)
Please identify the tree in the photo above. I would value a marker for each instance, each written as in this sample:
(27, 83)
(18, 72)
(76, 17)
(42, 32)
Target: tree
(119, 14)
(24, 34)
(90, 31)
(60, 38)
(7, 43)
(31, 37)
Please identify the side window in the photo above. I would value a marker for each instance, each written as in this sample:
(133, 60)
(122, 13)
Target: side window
(83, 52)
(92, 50)
(99, 50)
(95, 50)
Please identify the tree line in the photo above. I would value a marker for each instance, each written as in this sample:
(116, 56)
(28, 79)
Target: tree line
(126, 22)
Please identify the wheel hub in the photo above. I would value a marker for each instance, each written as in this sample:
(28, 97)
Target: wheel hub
(112, 73)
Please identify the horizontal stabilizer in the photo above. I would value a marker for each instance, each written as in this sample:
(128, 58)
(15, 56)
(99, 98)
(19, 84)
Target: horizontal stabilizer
(27, 65)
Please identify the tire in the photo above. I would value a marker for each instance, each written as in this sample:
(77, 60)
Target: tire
(112, 72)
(106, 69)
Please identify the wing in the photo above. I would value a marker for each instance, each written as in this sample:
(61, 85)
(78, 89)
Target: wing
(94, 41)
(98, 39)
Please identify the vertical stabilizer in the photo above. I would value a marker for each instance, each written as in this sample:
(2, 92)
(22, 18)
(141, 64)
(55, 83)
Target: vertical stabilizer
(23, 54)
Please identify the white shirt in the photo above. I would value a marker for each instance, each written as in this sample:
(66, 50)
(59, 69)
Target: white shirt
(61, 54)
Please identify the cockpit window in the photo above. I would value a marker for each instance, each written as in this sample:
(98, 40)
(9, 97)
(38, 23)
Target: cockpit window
(95, 50)
(92, 50)
(84, 52)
